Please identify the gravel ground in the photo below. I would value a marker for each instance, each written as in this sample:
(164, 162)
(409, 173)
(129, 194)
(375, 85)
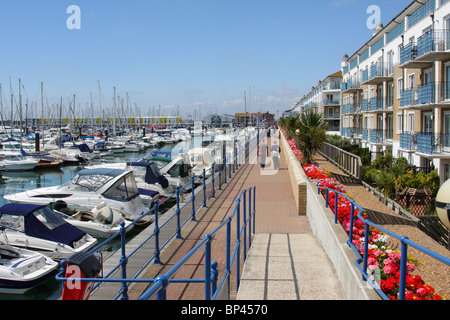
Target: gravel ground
(436, 273)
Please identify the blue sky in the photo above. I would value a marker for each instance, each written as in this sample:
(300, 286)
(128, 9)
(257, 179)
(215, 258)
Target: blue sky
(181, 55)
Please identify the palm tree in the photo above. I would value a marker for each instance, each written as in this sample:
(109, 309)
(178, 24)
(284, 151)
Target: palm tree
(311, 133)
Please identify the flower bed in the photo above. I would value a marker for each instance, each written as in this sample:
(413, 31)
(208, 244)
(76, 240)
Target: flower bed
(382, 260)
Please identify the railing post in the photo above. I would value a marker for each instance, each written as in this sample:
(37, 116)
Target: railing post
(162, 294)
(208, 267)
(178, 214)
(213, 190)
(244, 222)
(366, 250)
(352, 218)
(250, 216)
(228, 255)
(336, 206)
(123, 262)
(238, 242)
(214, 277)
(326, 198)
(193, 199)
(225, 169)
(220, 178)
(403, 269)
(157, 250)
(204, 188)
(254, 210)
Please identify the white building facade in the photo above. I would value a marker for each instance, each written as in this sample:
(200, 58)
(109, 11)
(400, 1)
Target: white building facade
(396, 88)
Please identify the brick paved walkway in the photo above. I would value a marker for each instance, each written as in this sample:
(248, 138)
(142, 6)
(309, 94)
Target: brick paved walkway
(283, 236)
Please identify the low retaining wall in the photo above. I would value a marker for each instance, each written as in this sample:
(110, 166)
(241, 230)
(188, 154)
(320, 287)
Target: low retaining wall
(298, 177)
(331, 236)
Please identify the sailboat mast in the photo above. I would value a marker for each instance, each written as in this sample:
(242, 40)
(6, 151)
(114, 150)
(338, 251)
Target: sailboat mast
(42, 110)
(20, 110)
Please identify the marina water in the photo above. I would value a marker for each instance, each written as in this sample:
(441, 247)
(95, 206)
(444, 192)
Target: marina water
(27, 180)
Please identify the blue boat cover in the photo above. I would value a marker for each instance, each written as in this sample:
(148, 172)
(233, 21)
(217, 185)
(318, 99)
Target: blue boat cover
(83, 147)
(152, 175)
(59, 231)
(149, 193)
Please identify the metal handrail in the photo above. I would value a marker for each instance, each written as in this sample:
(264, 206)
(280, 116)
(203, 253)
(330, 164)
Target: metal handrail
(161, 283)
(405, 242)
(220, 177)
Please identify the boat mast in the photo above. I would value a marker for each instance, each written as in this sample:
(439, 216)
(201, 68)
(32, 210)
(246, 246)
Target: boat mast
(20, 110)
(42, 110)
(114, 114)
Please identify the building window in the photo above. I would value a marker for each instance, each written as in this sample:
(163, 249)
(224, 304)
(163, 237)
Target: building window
(399, 88)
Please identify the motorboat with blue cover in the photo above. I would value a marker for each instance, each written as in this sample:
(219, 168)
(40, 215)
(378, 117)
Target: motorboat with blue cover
(38, 228)
(91, 187)
(22, 269)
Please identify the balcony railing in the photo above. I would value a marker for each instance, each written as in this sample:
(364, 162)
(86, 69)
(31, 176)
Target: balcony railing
(428, 143)
(407, 141)
(408, 53)
(365, 135)
(381, 70)
(433, 41)
(376, 104)
(429, 93)
(431, 143)
(330, 102)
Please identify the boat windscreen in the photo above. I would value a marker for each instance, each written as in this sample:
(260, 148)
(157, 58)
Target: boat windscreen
(88, 183)
(125, 189)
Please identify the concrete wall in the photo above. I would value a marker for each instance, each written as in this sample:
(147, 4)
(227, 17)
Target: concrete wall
(298, 178)
(331, 236)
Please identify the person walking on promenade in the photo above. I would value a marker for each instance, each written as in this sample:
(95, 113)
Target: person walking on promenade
(263, 151)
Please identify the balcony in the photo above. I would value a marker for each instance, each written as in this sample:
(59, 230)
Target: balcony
(352, 86)
(352, 108)
(428, 144)
(407, 141)
(365, 105)
(425, 96)
(432, 46)
(376, 136)
(379, 73)
(433, 144)
(365, 135)
(408, 98)
(376, 104)
(329, 102)
(332, 116)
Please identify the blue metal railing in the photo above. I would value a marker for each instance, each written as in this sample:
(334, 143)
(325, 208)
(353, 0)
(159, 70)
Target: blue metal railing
(212, 290)
(405, 243)
(219, 174)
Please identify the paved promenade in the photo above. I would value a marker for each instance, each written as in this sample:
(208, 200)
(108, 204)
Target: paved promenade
(285, 262)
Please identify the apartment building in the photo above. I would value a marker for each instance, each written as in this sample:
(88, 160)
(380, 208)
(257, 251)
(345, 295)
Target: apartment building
(325, 98)
(395, 92)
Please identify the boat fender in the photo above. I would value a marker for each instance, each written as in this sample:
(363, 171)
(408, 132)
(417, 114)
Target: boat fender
(82, 265)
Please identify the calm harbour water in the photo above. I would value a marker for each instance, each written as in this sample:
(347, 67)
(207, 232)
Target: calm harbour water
(22, 181)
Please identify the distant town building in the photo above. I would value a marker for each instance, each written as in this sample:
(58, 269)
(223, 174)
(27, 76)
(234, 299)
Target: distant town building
(218, 120)
(252, 119)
